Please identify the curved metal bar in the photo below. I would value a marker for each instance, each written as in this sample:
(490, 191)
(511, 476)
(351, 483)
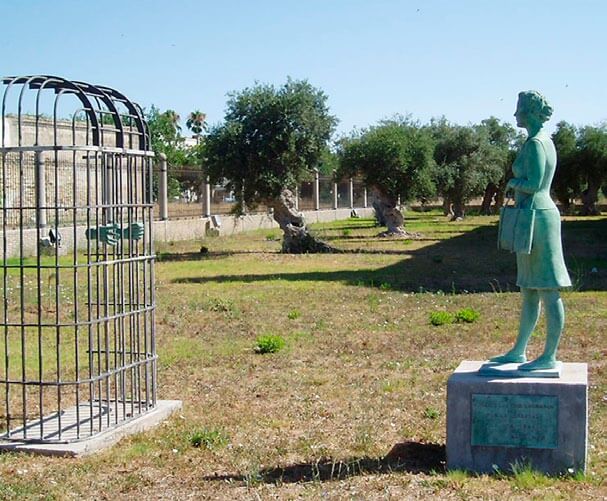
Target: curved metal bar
(111, 106)
(40, 89)
(58, 83)
(134, 109)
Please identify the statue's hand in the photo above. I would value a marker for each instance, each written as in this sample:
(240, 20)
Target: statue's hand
(134, 231)
(108, 234)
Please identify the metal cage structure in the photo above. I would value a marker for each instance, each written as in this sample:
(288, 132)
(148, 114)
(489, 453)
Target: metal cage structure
(77, 336)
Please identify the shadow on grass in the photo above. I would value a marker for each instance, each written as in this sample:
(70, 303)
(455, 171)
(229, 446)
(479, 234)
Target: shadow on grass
(198, 256)
(410, 457)
(469, 262)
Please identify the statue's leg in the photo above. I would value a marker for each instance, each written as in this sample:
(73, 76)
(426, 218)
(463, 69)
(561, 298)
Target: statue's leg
(530, 313)
(555, 321)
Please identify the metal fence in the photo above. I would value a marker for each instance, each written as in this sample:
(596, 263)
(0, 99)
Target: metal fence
(186, 195)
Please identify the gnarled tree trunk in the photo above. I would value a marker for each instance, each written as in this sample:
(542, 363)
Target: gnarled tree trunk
(296, 239)
(390, 214)
(490, 192)
(590, 197)
(457, 210)
(379, 215)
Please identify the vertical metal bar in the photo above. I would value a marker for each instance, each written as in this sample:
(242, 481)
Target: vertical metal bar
(121, 281)
(335, 192)
(297, 198)
(21, 270)
(99, 181)
(131, 242)
(40, 223)
(115, 283)
(365, 198)
(57, 294)
(163, 196)
(137, 290)
(207, 196)
(40, 190)
(89, 291)
(22, 294)
(316, 190)
(106, 285)
(150, 263)
(76, 204)
(5, 290)
(5, 270)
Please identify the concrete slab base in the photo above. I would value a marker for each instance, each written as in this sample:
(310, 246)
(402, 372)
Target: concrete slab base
(94, 442)
(494, 422)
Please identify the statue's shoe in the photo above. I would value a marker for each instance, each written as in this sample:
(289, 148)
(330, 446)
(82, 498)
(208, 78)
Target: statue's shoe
(509, 359)
(538, 364)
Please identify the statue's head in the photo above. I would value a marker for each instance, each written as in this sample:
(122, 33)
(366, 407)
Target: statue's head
(532, 106)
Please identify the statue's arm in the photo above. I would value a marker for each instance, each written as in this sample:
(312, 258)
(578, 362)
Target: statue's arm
(535, 163)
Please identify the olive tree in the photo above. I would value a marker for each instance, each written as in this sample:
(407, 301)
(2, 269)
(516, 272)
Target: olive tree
(466, 163)
(566, 185)
(270, 140)
(592, 158)
(504, 141)
(395, 159)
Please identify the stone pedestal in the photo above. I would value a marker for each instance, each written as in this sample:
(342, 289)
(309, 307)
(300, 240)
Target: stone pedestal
(495, 422)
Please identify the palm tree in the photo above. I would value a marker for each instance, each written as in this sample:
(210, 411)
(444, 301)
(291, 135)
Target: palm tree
(197, 122)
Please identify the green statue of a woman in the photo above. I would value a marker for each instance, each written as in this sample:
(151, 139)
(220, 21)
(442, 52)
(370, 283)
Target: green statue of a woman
(541, 273)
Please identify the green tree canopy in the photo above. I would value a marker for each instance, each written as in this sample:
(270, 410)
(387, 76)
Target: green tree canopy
(466, 163)
(592, 154)
(504, 142)
(165, 135)
(395, 158)
(566, 185)
(270, 140)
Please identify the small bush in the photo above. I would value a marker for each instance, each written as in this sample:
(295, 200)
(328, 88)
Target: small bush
(220, 305)
(431, 413)
(209, 438)
(467, 315)
(269, 344)
(293, 314)
(385, 286)
(441, 318)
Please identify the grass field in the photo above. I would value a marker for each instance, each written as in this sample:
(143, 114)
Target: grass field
(353, 405)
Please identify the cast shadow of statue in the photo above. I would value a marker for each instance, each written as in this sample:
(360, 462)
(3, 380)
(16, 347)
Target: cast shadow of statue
(469, 262)
(410, 457)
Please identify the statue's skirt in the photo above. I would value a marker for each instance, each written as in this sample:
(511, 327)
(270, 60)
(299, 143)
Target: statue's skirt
(545, 267)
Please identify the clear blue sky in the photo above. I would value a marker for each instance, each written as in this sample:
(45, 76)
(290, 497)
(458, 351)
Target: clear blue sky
(463, 59)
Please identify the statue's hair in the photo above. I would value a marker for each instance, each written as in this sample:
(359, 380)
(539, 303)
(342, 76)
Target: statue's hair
(535, 104)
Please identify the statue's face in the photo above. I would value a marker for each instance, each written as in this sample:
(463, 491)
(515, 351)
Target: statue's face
(521, 115)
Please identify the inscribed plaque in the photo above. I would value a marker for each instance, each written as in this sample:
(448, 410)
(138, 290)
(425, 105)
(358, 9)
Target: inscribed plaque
(515, 421)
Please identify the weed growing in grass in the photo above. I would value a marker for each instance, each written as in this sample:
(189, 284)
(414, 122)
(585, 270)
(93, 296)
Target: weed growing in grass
(209, 438)
(467, 315)
(374, 301)
(524, 477)
(441, 318)
(223, 305)
(347, 232)
(272, 237)
(269, 343)
(457, 477)
(385, 286)
(293, 314)
(431, 413)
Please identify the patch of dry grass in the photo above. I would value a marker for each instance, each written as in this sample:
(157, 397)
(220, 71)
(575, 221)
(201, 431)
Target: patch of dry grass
(354, 405)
